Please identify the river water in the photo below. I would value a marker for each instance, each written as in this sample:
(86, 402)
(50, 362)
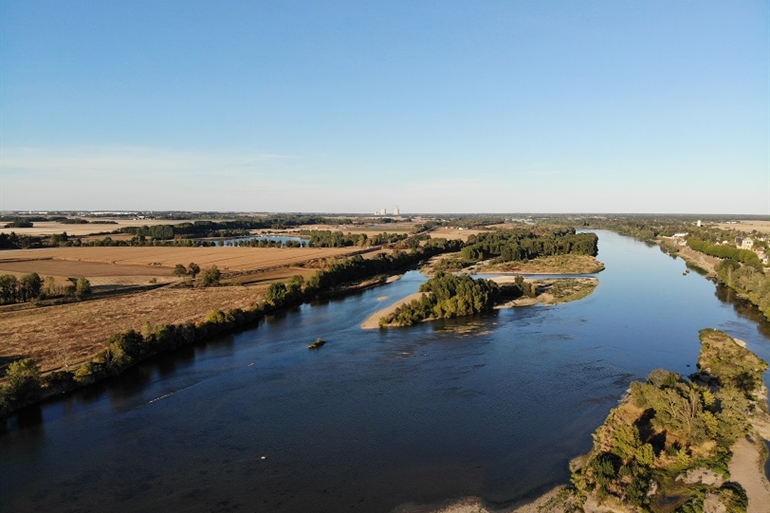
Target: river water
(493, 406)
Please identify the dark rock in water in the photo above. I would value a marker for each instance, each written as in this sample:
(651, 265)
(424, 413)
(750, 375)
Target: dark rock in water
(318, 343)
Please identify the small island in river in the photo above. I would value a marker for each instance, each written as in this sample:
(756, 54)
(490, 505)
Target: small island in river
(445, 296)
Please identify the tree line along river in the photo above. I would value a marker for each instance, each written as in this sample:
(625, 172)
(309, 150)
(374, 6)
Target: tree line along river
(492, 406)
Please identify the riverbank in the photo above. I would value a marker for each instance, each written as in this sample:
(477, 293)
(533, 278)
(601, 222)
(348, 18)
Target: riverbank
(689, 255)
(552, 501)
(125, 349)
(373, 321)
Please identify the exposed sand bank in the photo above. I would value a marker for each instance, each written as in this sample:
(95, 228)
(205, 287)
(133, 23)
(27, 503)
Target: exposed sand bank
(549, 502)
(373, 321)
(746, 469)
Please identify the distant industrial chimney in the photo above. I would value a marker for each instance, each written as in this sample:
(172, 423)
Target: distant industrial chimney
(396, 211)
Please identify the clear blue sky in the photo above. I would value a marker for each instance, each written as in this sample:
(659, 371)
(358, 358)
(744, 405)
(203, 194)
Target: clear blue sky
(435, 106)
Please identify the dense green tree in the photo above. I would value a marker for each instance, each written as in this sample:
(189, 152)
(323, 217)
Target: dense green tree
(29, 287)
(23, 382)
(9, 285)
(193, 269)
(446, 296)
(276, 294)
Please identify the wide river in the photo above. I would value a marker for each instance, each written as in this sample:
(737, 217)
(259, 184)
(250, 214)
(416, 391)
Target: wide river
(494, 406)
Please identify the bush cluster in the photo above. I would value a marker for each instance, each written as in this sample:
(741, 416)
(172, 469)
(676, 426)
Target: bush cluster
(669, 424)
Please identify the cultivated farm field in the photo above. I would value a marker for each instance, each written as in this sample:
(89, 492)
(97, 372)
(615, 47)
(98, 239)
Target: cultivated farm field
(60, 335)
(105, 266)
(94, 226)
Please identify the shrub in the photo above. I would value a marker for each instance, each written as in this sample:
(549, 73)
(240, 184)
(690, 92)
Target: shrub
(24, 382)
(210, 276)
(82, 287)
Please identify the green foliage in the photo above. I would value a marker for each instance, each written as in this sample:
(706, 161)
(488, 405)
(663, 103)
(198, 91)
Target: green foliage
(29, 287)
(734, 497)
(82, 287)
(280, 294)
(682, 424)
(645, 455)
(747, 280)
(193, 269)
(523, 244)
(23, 382)
(20, 290)
(210, 276)
(180, 270)
(723, 251)
(446, 296)
(124, 349)
(625, 442)
(90, 372)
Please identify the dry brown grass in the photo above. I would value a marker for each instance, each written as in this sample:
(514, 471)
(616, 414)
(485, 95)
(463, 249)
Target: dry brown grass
(454, 233)
(747, 226)
(146, 260)
(71, 333)
(51, 227)
(556, 264)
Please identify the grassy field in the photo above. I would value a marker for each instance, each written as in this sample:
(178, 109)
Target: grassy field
(454, 233)
(556, 264)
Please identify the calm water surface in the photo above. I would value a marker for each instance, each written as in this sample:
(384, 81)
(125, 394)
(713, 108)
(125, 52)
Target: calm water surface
(494, 406)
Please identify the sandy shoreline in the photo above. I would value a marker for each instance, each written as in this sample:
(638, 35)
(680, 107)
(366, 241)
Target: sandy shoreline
(373, 321)
(547, 503)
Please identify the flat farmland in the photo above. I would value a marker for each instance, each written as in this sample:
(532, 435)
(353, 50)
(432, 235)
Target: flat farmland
(161, 260)
(94, 226)
(61, 335)
(454, 233)
(100, 274)
(747, 226)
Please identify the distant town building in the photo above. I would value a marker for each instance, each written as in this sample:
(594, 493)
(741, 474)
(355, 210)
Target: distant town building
(744, 243)
(699, 224)
(381, 212)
